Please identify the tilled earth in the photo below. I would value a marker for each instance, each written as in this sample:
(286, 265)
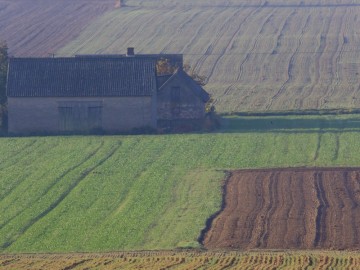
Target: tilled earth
(297, 208)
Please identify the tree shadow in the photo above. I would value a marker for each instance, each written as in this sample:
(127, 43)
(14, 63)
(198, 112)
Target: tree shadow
(290, 124)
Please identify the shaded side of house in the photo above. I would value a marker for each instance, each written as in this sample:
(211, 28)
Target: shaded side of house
(180, 101)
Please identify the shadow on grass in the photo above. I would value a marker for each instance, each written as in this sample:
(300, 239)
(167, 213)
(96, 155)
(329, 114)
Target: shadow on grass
(290, 124)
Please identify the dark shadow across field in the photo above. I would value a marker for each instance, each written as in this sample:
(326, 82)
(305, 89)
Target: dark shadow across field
(271, 6)
(290, 124)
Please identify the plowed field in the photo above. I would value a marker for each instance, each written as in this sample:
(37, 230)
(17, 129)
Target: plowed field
(41, 27)
(289, 209)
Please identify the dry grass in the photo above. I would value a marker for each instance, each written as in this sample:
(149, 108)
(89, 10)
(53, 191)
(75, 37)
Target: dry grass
(185, 260)
(281, 56)
(40, 28)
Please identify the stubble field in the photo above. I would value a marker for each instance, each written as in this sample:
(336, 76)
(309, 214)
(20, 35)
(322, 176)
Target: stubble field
(264, 56)
(258, 57)
(184, 260)
(41, 27)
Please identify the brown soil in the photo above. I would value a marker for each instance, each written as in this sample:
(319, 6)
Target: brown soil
(289, 209)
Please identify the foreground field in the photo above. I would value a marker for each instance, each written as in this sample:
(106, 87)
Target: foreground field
(65, 194)
(296, 208)
(261, 57)
(185, 260)
(40, 28)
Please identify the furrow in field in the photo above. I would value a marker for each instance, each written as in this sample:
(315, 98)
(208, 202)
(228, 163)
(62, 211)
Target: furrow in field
(330, 64)
(228, 45)
(323, 36)
(14, 151)
(58, 200)
(344, 75)
(286, 203)
(189, 43)
(254, 45)
(301, 209)
(167, 22)
(320, 235)
(172, 41)
(261, 61)
(261, 66)
(44, 192)
(315, 54)
(318, 146)
(337, 147)
(292, 62)
(265, 230)
(294, 217)
(221, 34)
(349, 188)
(38, 27)
(14, 175)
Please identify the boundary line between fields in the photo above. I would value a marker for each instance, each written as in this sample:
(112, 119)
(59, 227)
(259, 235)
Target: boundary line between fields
(209, 221)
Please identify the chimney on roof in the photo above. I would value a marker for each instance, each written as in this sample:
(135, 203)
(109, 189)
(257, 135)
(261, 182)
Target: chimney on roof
(130, 52)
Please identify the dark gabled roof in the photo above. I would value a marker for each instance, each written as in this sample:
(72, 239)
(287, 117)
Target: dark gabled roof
(81, 77)
(184, 77)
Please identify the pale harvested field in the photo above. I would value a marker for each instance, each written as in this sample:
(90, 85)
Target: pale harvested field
(41, 27)
(289, 209)
(280, 56)
(184, 260)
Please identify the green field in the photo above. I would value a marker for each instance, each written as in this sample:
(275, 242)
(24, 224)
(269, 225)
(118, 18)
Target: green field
(282, 55)
(62, 194)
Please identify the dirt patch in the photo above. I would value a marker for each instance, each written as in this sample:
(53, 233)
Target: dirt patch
(300, 208)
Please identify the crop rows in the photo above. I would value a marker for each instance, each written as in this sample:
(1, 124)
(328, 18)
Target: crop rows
(40, 28)
(279, 56)
(185, 260)
(302, 208)
(62, 194)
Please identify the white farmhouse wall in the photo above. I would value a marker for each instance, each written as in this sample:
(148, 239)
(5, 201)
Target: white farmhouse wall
(41, 114)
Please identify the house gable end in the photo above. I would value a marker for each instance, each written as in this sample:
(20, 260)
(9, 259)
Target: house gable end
(183, 78)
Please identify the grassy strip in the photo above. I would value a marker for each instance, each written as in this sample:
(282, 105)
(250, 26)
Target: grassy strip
(295, 112)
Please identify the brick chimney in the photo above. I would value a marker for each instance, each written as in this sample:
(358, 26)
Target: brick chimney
(130, 51)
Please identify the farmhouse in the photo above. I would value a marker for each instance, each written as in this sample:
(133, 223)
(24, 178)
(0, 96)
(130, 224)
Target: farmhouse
(98, 93)
(180, 100)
